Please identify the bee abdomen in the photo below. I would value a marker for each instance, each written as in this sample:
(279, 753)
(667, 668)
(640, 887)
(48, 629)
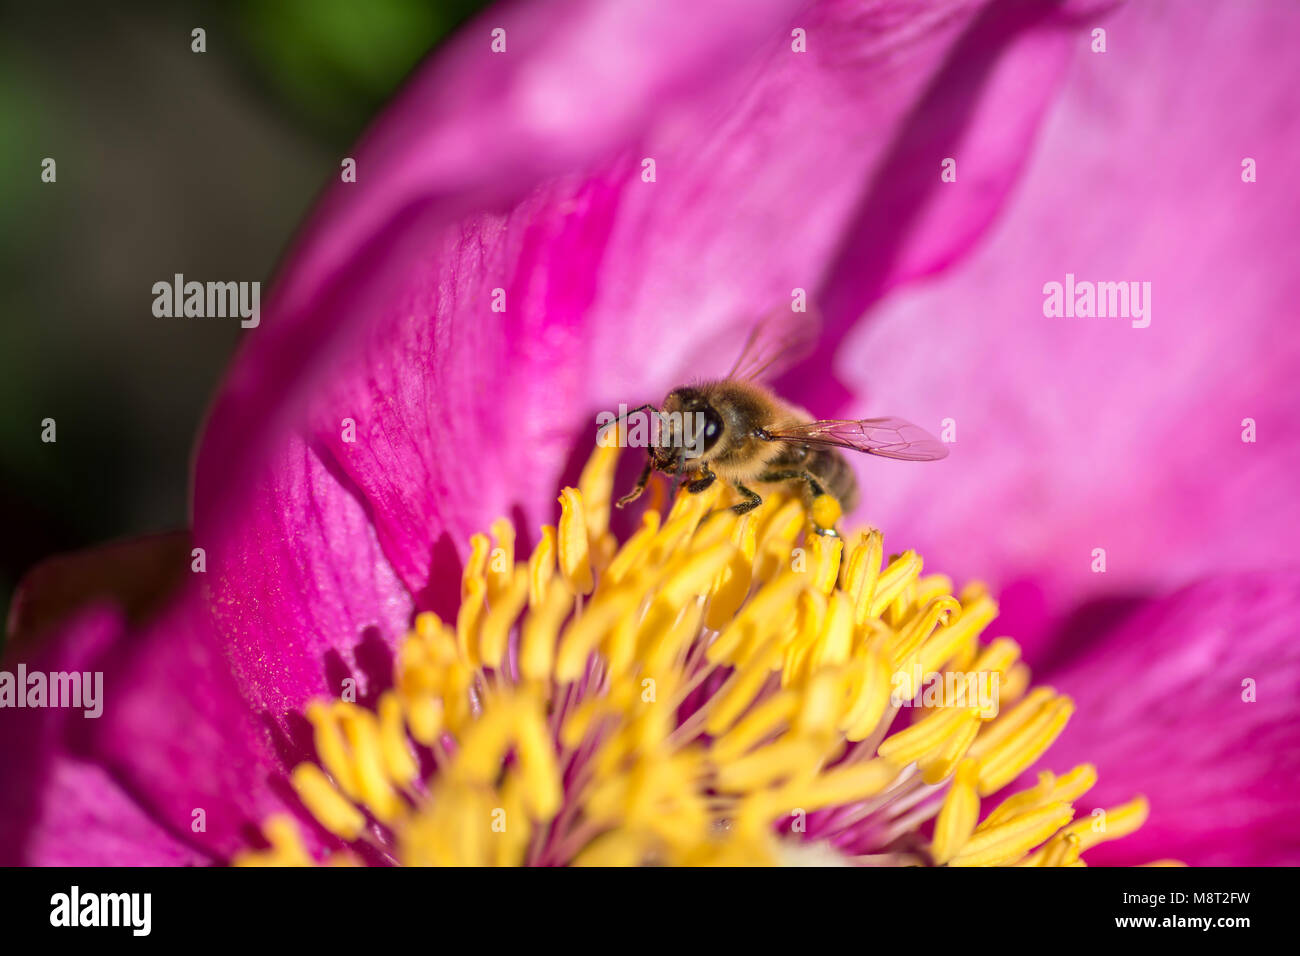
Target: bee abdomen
(830, 468)
(836, 475)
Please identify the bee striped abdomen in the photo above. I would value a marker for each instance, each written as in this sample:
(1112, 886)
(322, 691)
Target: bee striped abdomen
(827, 465)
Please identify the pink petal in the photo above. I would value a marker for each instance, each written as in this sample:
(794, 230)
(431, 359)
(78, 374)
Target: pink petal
(298, 589)
(181, 738)
(1160, 711)
(1076, 434)
(87, 819)
(57, 809)
(616, 288)
(473, 130)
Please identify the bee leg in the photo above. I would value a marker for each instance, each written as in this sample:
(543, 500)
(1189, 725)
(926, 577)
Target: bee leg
(641, 482)
(752, 500)
(699, 484)
(814, 486)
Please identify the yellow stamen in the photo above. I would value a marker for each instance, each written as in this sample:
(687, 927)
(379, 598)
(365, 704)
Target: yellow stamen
(494, 636)
(331, 746)
(326, 804)
(726, 674)
(467, 621)
(958, 815)
(825, 561)
(596, 485)
(574, 546)
(541, 566)
(480, 548)
(630, 557)
(1005, 761)
(501, 559)
(1007, 842)
(287, 848)
(844, 784)
(864, 573)
(399, 762)
(870, 696)
(732, 583)
(539, 778)
(537, 644)
(928, 735)
(1110, 824)
(901, 571)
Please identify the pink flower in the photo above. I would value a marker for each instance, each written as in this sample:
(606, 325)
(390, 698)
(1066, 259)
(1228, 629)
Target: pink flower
(773, 170)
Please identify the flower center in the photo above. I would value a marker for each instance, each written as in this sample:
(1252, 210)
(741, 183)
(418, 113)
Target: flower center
(719, 689)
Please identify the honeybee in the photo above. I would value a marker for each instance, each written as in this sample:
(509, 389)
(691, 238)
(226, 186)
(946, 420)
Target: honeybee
(757, 442)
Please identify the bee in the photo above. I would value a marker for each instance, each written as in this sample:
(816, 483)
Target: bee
(738, 430)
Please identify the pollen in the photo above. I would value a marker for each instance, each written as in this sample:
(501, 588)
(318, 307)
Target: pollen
(715, 689)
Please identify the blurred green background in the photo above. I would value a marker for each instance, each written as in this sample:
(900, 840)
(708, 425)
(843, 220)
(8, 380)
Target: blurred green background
(167, 161)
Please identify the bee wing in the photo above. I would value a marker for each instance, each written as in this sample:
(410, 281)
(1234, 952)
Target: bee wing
(778, 340)
(886, 437)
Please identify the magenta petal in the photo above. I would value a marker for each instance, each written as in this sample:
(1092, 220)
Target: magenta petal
(177, 767)
(180, 737)
(87, 819)
(299, 589)
(472, 130)
(980, 112)
(1160, 711)
(55, 808)
(615, 288)
(1074, 434)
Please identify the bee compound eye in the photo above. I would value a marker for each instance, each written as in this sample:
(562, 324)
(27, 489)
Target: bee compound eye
(712, 427)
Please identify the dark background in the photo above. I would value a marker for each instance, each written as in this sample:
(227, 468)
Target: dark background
(167, 161)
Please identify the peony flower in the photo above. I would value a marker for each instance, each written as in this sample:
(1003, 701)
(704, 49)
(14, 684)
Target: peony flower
(333, 564)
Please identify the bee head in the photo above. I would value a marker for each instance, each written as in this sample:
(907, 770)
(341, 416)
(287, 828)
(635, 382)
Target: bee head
(689, 428)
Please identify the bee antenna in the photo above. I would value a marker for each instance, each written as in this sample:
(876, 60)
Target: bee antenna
(640, 408)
